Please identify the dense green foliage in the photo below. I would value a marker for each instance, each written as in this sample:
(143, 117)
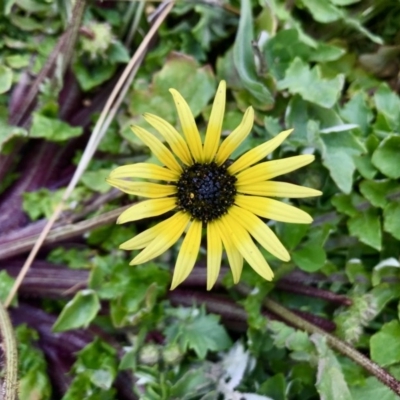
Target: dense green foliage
(329, 69)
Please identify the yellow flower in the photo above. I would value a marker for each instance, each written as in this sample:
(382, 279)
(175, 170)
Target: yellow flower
(206, 190)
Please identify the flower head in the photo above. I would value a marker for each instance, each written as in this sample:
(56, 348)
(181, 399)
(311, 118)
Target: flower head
(206, 190)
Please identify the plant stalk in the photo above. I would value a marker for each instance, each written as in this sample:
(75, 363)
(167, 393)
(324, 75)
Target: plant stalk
(58, 234)
(72, 33)
(9, 360)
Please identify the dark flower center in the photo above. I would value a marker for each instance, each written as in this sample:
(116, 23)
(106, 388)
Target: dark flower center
(206, 191)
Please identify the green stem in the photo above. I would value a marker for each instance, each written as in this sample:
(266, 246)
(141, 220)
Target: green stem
(333, 341)
(9, 381)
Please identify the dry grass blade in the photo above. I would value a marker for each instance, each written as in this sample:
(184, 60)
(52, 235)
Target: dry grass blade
(99, 130)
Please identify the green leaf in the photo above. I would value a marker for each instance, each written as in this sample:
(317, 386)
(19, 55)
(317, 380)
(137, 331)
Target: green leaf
(96, 180)
(213, 24)
(385, 344)
(34, 382)
(41, 202)
(327, 52)
(79, 312)
(346, 204)
(285, 336)
(350, 322)
(388, 105)
(339, 150)
(25, 22)
(109, 237)
(291, 234)
(344, 2)
(253, 305)
(8, 132)
(381, 295)
(199, 332)
(311, 257)
(364, 166)
(323, 11)
(356, 111)
(355, 271)
(18, 61)
(94, 75)
(391, 215)
(330, 384)
(6, 283)
(376, 192)
(386, 157)
(113, 278)
(310, 84)
(7, 4)
(127, 310)
(275, 387)
(94, 373)
(6, 77)
(52, 128)
(193, 381)
(282, 49)
(366, 226)
(297, 118)
(372, 389)
(386, 270)
(196, 84)
(75, 258)
(243, 57)
(117, 53)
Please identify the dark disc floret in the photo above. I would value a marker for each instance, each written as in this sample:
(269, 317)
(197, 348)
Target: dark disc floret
(206, 191)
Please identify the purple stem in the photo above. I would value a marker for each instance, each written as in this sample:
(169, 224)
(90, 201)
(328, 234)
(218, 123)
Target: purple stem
(58, 367)
(310, 291)
(45, 279)
(41, 166)
(233, 313)
(33, 229)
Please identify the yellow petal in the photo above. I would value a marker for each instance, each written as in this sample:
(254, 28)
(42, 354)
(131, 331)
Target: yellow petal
(157, 148)
(229, 145)
(277, 189)
(258, 153)
(144, 238)
(271, 169)
(146, 171)
(260, 231)
(187, 254)
(234, 257)
(188, 125)
(146, 209)
(172, 137)
(249, 250)
(164, 240)
(214, 127)
(214, 254)
(145, 189)
(272, 209)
